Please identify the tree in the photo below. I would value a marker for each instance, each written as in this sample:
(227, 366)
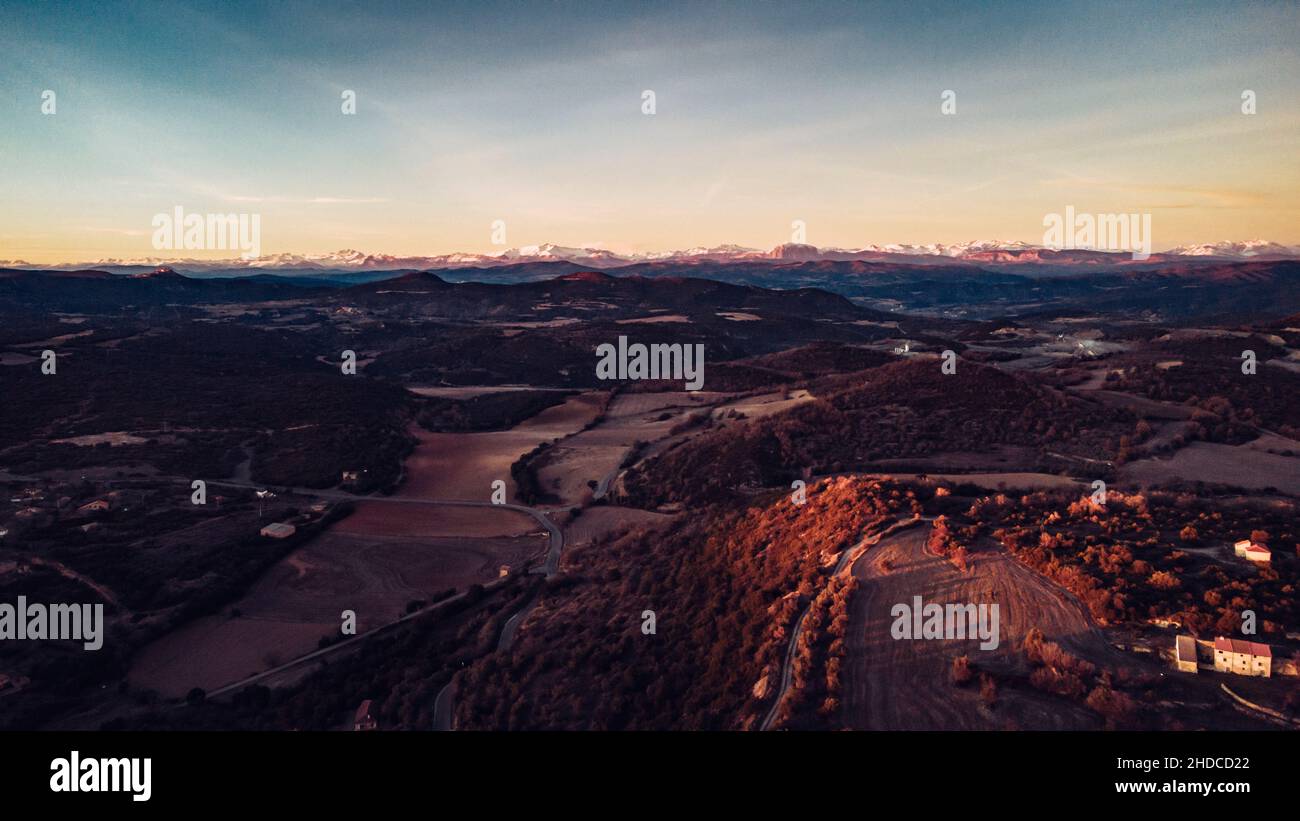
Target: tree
(961, 671)
(988, 689)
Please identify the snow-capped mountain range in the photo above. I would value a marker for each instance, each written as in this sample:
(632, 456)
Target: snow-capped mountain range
(936, 253)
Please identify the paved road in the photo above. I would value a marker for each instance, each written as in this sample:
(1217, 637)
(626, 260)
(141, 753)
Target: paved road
(442, 706)
(445, 701)
(602, 487)
(787, 666)
(511, 627)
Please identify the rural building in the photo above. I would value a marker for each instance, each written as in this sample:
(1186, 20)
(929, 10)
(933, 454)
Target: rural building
(279, 530)
(97, 506)
(1259, 554)
(1252, 551)
(364, 720)
(350, 477)
(1245, 658)
(1185, 653)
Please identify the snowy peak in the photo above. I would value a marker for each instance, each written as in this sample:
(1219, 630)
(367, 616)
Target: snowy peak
(978, 251)
(1250, 249)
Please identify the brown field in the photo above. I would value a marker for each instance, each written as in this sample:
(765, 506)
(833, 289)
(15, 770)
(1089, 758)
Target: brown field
(903, 684)
(756, 407)
(302, 598)
(470, 391)
(650, 320)
(1142, 406)
(373, 562)
(601, 521)
(215, 650)
(1240, 465)
(595, 454)
(118, 437)
(462, 466)
(582, 459)
(1287, 364)
(54, 341)
(558, 322)
(629, 405)
(383, 519)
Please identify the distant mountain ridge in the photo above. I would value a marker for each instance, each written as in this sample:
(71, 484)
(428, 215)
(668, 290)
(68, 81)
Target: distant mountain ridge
(988, 251)
(1186, 288)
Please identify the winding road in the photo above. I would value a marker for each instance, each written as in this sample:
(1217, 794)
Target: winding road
(846, 559)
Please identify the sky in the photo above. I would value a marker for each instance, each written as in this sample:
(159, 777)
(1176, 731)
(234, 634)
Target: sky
(532, 114)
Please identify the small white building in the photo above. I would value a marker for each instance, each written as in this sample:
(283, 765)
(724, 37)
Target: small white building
(1185, 653)
(1245, 658)
(279, 530)
(1252, 551)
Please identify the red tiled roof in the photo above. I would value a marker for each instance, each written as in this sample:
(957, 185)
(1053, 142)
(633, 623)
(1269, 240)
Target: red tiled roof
(1250, 648)
(363, 712)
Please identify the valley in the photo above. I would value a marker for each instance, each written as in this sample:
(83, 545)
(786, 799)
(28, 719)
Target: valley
(608, 491)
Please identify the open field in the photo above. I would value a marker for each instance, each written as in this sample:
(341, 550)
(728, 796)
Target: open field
(1141, 405)
(302, 598)
(653, 320)
(1239, 465)
(600, 521)
(993, 481)
(462, 466)
(215, 650)
(904, 684)
(755, 407)
(470, 391)
(374, 562)
(378, 519)
(593, 455)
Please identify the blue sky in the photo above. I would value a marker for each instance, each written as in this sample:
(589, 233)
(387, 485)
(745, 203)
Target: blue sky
(531, 113)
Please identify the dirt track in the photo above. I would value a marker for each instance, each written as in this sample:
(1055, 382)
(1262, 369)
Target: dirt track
(904, 684)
